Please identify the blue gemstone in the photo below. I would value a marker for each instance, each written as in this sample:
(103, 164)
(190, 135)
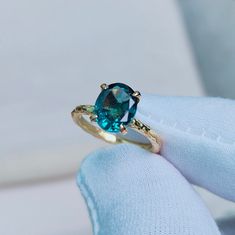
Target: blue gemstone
(115, 106)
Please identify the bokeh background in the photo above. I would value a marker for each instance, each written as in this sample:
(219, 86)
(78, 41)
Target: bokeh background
(55, 54)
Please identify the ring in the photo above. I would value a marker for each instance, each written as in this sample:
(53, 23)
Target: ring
(112, 118)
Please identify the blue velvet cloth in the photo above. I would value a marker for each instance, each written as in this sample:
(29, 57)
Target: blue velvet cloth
(130, 191)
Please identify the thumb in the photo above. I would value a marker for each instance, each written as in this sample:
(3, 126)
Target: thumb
(199, 138)
(131, 191)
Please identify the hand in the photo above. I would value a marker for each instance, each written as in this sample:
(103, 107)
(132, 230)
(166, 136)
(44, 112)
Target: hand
(130, 191)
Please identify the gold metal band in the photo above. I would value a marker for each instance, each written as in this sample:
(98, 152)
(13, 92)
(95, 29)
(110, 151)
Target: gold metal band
(79, 112)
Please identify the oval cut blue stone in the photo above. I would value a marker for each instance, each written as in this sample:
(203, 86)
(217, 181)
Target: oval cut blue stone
(115, 106)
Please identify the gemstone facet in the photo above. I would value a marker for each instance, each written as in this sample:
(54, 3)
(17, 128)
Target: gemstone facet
(115, 106)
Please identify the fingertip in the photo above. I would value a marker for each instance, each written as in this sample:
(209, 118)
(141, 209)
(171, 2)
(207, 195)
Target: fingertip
(101, 158)
(107, 156)
(125, 181)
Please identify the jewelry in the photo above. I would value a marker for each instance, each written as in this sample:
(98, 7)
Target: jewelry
(113, 116)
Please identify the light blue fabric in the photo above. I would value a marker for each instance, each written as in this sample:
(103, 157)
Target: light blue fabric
(130, 191)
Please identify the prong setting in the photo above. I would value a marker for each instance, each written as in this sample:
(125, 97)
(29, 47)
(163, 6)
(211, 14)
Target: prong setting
(123, 129)
(104, 86)
(93, 117)
(137, 95)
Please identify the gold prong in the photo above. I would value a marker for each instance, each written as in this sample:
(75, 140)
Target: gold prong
(136, 94)
(104, 86)
(93, 117)
(123, 129)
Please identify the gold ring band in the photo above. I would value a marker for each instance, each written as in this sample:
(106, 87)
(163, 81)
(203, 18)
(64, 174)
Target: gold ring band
(79, 113)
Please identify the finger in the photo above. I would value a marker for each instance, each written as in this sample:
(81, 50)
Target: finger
(131, 191)
(198, 136)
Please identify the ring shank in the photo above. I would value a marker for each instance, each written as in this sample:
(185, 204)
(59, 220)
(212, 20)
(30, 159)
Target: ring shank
(78, 115)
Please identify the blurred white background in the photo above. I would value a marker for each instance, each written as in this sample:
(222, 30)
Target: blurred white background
(53, 56)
